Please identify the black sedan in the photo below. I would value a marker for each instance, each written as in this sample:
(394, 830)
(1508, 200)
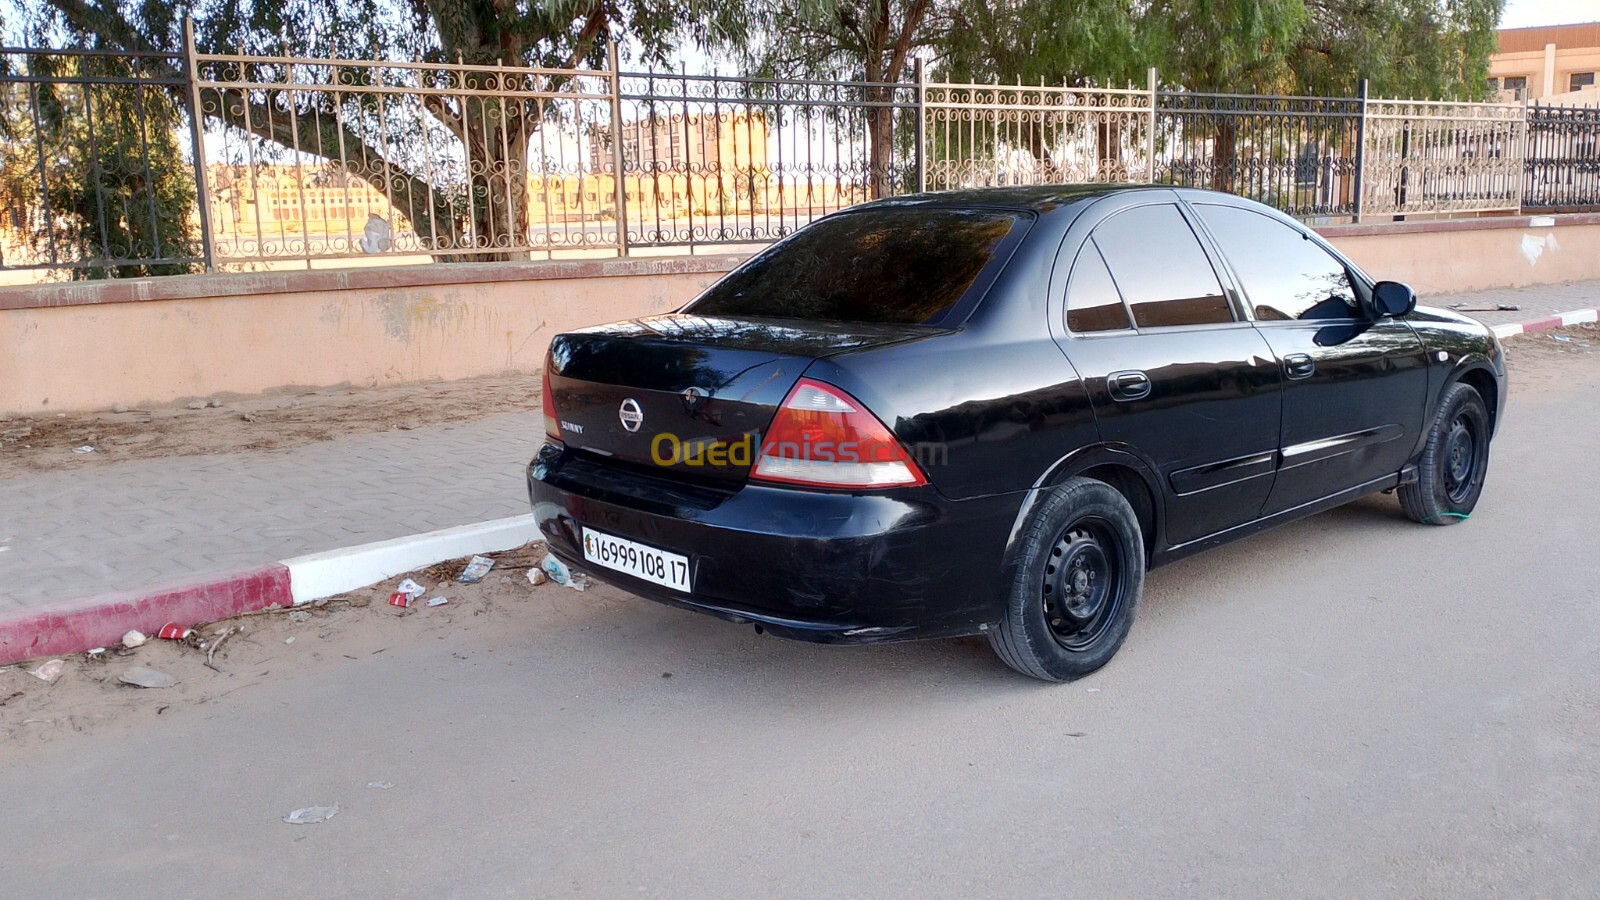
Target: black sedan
(989, 412)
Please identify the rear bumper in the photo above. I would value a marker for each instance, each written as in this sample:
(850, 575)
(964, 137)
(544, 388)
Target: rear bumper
(815, 566)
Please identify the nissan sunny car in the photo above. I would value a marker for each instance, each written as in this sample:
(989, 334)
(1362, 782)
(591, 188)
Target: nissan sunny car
(992, 411)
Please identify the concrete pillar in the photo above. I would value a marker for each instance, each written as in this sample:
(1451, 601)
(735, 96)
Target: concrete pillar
(1549, 72)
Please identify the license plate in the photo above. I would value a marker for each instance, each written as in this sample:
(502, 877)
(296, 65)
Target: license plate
(659, 566)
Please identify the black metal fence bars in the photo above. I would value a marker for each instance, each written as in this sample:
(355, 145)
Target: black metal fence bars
(711, 159)
(134, 164)
(1563, 160)
(1300, 154)
(97, 164)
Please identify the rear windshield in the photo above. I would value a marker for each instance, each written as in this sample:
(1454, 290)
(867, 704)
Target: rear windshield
(905, 266)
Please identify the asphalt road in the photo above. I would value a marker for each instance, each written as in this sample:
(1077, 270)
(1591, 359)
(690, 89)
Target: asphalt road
(1350, 705)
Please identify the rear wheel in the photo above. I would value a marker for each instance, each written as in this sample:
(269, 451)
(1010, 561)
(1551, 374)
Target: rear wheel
(1076, 585)
(1454, 462)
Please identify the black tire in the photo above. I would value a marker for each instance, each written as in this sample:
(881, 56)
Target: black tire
(1454, 461)
(1075, 585)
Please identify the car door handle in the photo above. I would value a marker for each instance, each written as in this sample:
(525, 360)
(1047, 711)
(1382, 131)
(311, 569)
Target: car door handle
(1299, 365)
(1129, 384)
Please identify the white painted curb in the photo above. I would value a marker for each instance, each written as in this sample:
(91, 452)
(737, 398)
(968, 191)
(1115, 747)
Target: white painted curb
(1559, 320)
(334, 572)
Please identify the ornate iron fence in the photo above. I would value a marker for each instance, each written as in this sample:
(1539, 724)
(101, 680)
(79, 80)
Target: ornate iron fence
(986, 135)
(1563, 162)
(708, 159)
(1437, 157)
(96, 164)
(315, 159)
(104, 170)
(1300, 154)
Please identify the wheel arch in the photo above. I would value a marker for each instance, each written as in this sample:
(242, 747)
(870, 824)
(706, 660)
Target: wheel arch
(1480, 378)
(1130, 474)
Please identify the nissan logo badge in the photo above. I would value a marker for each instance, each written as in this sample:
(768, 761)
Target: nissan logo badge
(630, 414)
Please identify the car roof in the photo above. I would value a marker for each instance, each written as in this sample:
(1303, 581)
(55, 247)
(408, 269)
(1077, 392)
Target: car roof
(1041, 199)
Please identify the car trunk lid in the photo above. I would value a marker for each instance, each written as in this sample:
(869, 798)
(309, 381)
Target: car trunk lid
(690, 396)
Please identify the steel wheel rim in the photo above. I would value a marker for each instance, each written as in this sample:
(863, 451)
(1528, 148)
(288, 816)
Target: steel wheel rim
(1460, 458)
(1083, 587)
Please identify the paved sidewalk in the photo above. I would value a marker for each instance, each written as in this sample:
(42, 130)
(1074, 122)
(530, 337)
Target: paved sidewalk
(72, 534)
(1535, 302)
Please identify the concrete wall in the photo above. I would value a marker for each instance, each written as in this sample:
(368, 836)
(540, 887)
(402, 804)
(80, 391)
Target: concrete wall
(89, 346)
(1442, 257)
(92, 345)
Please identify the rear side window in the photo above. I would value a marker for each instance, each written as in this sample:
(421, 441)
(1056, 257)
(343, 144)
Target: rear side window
(1093, 303)
(1160, 269)
(1285, 274)
(903, 266)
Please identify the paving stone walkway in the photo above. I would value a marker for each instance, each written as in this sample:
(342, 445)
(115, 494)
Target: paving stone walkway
(71, 534)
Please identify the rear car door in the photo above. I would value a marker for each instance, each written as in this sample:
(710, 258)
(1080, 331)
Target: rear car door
(1354, 384)
(1173, 371)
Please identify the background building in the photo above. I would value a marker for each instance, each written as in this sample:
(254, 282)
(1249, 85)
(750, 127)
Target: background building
(1546, 63)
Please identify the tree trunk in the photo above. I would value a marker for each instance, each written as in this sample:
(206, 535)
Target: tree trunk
(880, 148)
(494, 137)
(1225, 157)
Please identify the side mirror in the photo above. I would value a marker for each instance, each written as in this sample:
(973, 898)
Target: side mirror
(1391, 298)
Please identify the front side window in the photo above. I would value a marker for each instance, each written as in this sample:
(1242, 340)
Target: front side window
(904, 266)
(1581, 80)
(1160, 269)
(1285, 274)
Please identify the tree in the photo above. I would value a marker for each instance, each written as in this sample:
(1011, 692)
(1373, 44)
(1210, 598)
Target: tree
(92, 171)
(851, 40)
(1044, 42)
(489, 201)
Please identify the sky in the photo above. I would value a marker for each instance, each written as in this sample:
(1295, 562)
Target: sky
(1526, 13)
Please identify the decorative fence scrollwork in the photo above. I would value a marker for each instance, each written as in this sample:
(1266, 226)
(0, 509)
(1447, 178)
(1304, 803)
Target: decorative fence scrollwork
(709, 159)
(988, 135)
(156, 163)
(315, 159)
(1434, 157)
(1296, 153)
(1563, 164)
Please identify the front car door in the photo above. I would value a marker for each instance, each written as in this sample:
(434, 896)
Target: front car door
(1175, 374)
(1354, 385)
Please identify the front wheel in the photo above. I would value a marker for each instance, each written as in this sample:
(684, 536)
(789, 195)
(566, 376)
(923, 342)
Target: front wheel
(1454, 461)
(1077, 582)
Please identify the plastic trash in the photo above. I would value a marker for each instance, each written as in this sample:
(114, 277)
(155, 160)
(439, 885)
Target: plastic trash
(48, 672)
(380, 785)
(405, 592)
(311, 815)
(84, 449)
(133, 639)
(174, 632)
(477, 567)
(139, 676)
(438, 601)
(560, 574)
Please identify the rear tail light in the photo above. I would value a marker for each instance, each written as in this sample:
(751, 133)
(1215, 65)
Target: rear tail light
(823, 437)
(552, 428)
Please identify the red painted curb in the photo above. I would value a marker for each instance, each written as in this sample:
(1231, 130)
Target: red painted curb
(79, 625)
(1544, 324)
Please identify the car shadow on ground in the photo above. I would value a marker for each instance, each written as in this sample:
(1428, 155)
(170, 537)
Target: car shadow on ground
(609, 622)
